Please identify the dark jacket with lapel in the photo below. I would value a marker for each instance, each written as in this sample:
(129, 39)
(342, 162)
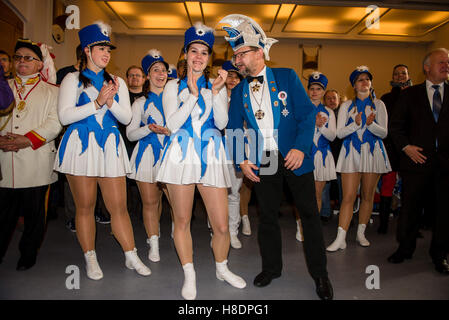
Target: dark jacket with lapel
(413, 123)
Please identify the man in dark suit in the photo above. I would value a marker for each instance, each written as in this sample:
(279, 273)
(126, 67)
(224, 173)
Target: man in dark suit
(281, 123)
(419, 129)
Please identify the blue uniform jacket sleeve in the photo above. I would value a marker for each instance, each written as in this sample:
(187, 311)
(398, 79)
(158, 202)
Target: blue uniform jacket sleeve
(305, 114)
(234, 130)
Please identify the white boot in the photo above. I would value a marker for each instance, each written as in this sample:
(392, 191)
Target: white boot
(133, 262)
(153, 253)
(92, 267)
(299, 236)
(188, 291)
(235, 242)
(361, 236)
(340, 241)
(246, 227)
(224, 274)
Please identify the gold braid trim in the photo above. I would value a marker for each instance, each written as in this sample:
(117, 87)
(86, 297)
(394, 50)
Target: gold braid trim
(4, 112)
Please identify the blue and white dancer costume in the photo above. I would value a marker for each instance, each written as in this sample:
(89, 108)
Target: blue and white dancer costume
(92, 145)
(323, 159)
(362, 149)
(145, 159)
(195, 152)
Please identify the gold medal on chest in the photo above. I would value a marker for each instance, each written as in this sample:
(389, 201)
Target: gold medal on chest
(21, 105)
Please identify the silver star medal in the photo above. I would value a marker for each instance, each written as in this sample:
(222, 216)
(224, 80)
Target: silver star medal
(283, 97)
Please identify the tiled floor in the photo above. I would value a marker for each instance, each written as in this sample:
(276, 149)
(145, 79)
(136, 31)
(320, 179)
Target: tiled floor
(349, 270)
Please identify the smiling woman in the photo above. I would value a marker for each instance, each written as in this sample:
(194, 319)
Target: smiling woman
(195, 109)
(92, 150)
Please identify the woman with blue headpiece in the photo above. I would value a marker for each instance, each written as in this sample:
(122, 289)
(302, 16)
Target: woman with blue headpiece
(148, 128)
(92, 151)
(325, 132)
(196, 109)
(362, 124)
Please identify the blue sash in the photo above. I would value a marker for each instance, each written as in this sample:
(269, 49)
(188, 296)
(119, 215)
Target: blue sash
(90, 124)
(323, 143)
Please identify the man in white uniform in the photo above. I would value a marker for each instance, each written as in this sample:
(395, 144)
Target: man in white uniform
(27, 153)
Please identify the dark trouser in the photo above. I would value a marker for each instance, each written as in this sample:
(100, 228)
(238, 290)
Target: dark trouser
(415, 187)
(269, 196)
(29, 202)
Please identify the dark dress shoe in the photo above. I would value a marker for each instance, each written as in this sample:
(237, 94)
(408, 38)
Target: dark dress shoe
(398, 257)
(324, 288)
(264, 278)
(25, 263)
(442, 266)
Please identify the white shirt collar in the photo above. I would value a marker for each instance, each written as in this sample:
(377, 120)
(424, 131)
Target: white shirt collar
(429, 84)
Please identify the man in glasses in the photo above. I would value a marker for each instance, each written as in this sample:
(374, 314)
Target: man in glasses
(27, 153)
(281, 117)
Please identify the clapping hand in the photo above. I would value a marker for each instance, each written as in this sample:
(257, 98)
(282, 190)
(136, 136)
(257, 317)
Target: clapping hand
(220, 81)
(114, 89)
(191, 82)
(370, 118)
(107, 93)
(358, 118)
(320, 120)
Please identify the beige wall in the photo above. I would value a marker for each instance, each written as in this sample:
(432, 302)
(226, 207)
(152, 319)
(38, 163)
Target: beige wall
(441, 37)
(337, 58)
(90, 11)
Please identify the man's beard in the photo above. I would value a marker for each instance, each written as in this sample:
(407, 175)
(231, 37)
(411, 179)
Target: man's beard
(244, 72)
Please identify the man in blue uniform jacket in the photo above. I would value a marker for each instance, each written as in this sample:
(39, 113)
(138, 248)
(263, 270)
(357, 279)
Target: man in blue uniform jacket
(281, 121)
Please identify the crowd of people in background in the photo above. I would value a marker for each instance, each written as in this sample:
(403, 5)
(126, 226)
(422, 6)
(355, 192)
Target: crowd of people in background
(121, 146)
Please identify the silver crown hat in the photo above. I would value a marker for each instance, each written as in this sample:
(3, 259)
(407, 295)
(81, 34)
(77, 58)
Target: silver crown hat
(244, 31)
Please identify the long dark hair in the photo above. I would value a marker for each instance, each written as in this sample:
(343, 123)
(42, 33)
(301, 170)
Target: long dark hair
(83, 65)
(206, 71)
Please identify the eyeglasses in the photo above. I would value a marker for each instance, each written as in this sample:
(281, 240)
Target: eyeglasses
(16, 57)
(240, 55)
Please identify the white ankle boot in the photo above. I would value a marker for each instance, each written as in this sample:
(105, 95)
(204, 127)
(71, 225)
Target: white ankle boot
(224, 274)
(235, 242)
(153, 253)
(340, 241)
(299, 236)
(246, 227)
(133, 262)
(361, 236)
(92, 267)
(188, 291)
